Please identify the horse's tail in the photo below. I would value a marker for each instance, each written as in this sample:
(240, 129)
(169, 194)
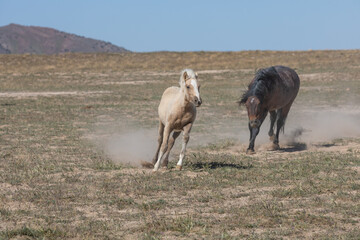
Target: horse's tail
(147, 164)
(282, 129)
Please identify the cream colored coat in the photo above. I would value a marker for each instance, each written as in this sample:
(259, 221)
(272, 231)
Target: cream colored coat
(177, 112)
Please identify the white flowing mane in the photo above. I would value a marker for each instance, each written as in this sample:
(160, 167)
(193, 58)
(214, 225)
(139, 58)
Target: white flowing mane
(191, 75)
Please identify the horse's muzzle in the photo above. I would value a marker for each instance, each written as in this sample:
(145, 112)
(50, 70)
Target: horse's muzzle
(197, 102)
(254, 123)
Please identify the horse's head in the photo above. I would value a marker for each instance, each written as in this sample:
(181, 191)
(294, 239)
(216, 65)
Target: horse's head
(256, 115)
(255, 112)
(190, 86)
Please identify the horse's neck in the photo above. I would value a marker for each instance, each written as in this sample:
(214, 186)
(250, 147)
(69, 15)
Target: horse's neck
(182, 98)
(183, 101)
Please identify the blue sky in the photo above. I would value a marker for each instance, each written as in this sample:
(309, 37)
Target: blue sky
(198, 25)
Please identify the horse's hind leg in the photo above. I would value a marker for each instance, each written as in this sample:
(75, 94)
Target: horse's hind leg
(163, 148)
(160, 139)
(279, 124)
(186, 138)
(272, 123)
(281, 117)
(170, 146)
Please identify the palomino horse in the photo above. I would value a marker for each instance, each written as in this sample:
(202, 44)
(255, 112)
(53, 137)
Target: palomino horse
(177, 112)
(272, 90)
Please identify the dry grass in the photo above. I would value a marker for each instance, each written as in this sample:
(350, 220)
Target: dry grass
(169, 61)
(57, 183)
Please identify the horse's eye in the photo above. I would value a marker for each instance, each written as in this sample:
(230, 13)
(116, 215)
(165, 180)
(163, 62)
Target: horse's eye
(187, 87)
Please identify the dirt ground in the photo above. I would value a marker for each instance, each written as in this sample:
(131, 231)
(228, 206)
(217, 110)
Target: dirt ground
(74, 128)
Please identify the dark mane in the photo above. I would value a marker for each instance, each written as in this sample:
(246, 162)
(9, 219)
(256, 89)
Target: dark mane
(262, 84)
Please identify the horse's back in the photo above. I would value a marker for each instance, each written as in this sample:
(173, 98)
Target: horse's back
(169, 93)
(289, 77)
(286, 88)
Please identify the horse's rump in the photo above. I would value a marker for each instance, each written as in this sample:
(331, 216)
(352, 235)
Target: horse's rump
(272, 82)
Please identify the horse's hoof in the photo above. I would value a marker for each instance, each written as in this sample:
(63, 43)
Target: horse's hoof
(156, 169)
(178, 167)
(164, 165)
(250, 152)
(275, 146)
(272, 137)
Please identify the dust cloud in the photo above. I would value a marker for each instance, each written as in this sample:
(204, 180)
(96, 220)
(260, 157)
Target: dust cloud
(135, 145)
(132, 146)
(323, 125)
(302, 126)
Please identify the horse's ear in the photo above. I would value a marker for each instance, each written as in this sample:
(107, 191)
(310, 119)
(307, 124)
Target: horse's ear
(243, 99)
(185, 75)
(241, 102)
(196, 75)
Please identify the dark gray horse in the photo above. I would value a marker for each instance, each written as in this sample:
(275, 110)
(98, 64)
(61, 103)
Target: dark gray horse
(272, 90)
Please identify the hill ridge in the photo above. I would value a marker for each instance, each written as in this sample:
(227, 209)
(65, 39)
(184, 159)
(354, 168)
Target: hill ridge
(19, 39)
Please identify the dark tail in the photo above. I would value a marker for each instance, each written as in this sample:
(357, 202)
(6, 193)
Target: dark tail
(147, 164)
(282, 129)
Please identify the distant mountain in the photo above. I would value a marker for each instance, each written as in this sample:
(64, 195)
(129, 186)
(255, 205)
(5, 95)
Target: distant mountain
(19, 39)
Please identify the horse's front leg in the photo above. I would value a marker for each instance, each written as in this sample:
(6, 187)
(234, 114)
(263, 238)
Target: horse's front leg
(254, 131)
(186, 138)
(170, 146)
(163, 147)
(254, 127)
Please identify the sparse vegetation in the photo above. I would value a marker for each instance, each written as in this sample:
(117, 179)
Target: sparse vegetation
(56, 182)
